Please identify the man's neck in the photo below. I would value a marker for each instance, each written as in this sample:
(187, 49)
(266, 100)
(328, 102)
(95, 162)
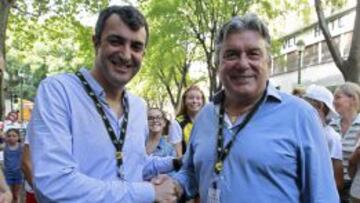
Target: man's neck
(113, 93)
(237, 107)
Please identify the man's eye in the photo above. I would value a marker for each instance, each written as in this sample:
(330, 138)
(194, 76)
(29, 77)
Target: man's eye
(115, 41)
(230, 55)
(254, 54)
(138, 47)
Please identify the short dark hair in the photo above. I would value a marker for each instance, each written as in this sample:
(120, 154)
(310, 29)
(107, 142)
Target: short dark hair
(16, 131)
(131, 16)
(249, 21)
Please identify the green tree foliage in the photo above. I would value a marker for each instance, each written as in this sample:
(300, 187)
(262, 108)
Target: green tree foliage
(168, 56)
(45, 36)
(195, 24)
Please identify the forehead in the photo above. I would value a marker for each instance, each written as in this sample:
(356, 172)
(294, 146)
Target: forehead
(193, 92)
(114, 25)
(154, 112)
(340, 92)
(243, 40)
(12, 133)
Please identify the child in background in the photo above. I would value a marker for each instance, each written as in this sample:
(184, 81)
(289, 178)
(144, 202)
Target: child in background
(12, 162)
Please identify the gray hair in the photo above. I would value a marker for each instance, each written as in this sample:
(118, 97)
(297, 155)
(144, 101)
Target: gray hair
(352, 90)
(249, 21)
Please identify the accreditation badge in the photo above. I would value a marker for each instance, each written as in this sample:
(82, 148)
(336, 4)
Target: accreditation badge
(214, 192)
(121, 172)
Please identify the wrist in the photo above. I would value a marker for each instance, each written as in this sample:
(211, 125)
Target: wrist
(356, 157)
(178, 189)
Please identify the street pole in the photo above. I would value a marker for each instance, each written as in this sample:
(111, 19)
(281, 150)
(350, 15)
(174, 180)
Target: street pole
(300, 47)
(299, 68)
(21, 76)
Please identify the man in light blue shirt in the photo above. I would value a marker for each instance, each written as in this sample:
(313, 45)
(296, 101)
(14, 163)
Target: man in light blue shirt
(254, 143)
(87, 133)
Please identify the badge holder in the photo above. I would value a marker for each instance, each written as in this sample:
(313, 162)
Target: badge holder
(214, 191)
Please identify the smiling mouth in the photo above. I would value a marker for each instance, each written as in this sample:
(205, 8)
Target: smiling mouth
(116, 61)
(156, 124)
(241, 78)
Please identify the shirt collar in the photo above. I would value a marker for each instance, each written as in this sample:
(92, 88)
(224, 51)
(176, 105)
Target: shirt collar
(95, 86)
(272, 93)
(337, 121)
(161, 143)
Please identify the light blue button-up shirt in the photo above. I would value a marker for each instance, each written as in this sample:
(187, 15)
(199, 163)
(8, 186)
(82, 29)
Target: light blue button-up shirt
(280, 156)
(72, 155)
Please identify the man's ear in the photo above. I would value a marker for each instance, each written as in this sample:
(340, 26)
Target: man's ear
(143, 54)
(95, 41)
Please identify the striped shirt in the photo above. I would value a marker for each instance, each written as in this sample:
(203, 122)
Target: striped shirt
(348, 140)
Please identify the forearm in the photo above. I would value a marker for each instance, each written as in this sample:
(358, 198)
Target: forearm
(178, 149)
(353, 160)
(157, 165)
(338, 173)
(185, 184)
(26, 165)
(72, 186)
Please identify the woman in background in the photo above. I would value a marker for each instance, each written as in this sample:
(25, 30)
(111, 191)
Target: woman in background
(192, 101)
(156, 145)
(347, 104)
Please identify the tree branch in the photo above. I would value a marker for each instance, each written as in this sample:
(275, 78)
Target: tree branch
(166, 84)
(16, 7)
(325, 30)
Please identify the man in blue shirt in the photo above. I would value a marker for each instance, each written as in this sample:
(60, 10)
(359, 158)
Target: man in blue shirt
(87, 133)
(254, 143)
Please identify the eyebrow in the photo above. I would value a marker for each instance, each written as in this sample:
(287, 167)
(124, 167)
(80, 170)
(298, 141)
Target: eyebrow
(121, 38)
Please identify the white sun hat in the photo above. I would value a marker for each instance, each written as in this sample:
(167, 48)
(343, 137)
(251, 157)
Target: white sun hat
(321, 94)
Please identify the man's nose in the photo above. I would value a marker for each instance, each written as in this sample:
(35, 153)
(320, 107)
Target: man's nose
(125, 52)
(243, 61)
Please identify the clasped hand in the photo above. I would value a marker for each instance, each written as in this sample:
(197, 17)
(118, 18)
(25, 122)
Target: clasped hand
(166, 189)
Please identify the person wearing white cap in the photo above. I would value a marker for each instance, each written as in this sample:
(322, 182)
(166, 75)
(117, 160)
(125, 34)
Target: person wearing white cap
(322, 100)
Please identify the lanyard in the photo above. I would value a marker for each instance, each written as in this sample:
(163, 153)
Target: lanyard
(118, 143)
(222, 151)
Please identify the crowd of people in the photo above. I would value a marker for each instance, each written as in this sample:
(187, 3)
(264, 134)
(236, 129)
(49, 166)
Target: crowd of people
(91, 140)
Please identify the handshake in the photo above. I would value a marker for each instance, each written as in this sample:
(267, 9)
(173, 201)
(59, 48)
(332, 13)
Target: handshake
(166, 189)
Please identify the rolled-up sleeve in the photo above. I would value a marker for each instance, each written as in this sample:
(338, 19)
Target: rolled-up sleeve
(157, 165)
(175, 133)
(186, 176)
(57, 177)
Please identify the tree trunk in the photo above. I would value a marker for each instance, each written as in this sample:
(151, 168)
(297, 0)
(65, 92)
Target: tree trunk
(350, 68)
(352, 72)
(4, 15)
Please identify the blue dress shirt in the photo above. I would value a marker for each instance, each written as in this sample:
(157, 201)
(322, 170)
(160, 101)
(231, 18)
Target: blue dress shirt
(164, 149)
(72, 155)
(280, 156)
